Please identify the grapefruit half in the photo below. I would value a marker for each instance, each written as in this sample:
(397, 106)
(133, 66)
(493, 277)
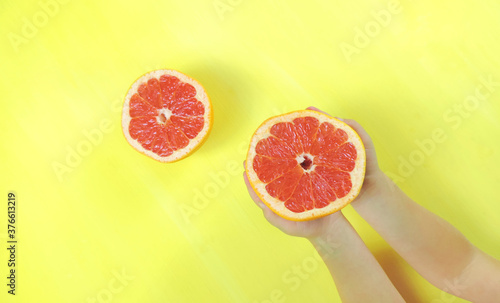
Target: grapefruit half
(166, 115)
(305, 165)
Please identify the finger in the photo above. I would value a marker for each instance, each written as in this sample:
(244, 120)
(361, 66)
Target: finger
(280, 222)
(252, 193)
(367, 140)
(270, 216)
(317, 110)
(273, 218)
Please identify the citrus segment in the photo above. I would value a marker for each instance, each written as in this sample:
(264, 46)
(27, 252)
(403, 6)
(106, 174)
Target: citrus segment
(166, 115)
(168, 85)
(187, 108)
(269, 169)
(323, 193)
(190, 126)
(150, 92)
(327, 139)
(274, 148)
(287, 133)
(339, 181)
(342, 158)
(306, 129)
(140, 108)
(301, 196)
(161, 144)
(305, 164)
(282, 188)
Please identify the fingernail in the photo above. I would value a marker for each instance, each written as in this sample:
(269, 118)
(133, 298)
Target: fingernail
(261, 205)
(339, 118)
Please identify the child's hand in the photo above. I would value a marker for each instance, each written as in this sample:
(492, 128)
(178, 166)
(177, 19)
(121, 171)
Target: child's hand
(307, 229)
(432, 246)
(338, 243)
(316, 228)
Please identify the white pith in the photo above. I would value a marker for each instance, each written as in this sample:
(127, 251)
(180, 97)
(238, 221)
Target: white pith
(166, 113)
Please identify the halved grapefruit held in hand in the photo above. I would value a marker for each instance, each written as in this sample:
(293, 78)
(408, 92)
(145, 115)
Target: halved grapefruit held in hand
(305, 165)
(166, 115)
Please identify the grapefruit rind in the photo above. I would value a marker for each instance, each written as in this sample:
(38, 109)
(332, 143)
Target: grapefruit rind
(195, 143)
(278, 206)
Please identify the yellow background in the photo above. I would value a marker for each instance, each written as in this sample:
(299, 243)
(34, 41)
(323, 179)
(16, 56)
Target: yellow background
(188, 231)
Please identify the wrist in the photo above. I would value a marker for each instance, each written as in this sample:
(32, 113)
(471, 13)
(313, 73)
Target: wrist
(376, 188)
(331, 237)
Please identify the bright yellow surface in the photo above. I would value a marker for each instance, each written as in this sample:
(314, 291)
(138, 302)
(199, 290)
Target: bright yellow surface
(188, 231)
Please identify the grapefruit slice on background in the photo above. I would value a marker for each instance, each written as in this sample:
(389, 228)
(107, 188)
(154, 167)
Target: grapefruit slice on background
(166, 115)
(305, 165)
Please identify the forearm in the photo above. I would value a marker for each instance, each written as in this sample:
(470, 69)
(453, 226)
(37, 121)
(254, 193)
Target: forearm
(357, 274)
(431, 245)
